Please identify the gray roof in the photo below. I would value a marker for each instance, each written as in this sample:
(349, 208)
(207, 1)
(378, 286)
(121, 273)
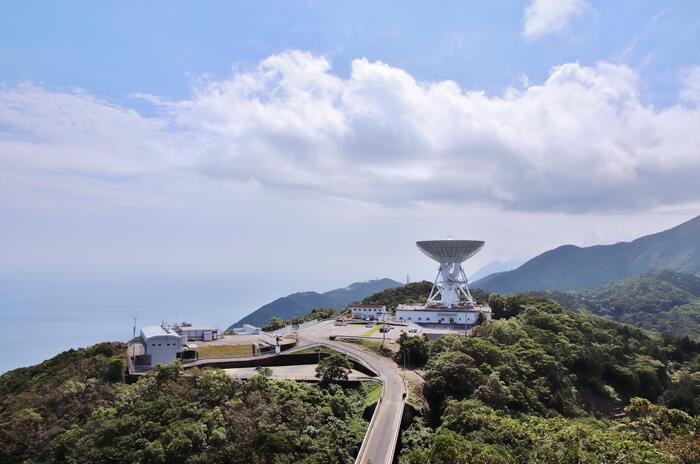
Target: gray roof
(450, 251)
(156, 331)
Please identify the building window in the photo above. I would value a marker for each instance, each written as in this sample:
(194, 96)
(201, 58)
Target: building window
(409, 318)
(427, 318)
(419, 318)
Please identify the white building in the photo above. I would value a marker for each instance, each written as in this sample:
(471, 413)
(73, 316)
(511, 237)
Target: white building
(247, 329)
(422, 314)
(160, 345)
(197, 334)
(373, 312)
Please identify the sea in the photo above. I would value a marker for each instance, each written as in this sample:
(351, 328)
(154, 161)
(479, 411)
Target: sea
(43, 315)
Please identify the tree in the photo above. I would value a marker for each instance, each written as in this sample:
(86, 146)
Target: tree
(498, 305)
(275, 323)
(333, 368)
(414, 348)
(494, 392)
(452, 374)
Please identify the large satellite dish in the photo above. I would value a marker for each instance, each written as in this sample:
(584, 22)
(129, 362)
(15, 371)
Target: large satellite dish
(450, 251)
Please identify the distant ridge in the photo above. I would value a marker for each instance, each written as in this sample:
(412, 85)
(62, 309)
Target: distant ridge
(299, 304)
(494, 267)
(661, 300)
(571, 267)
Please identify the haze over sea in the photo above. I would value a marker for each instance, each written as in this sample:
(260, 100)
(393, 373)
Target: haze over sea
(42, 315)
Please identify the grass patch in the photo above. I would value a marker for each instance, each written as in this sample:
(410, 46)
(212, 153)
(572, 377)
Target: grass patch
(374, 345)
(373, 329)
(312, 349)
(224, 351)
(325, 350)
(373, 391)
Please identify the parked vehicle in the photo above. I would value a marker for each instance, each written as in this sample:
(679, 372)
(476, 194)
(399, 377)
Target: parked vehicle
(413, 330)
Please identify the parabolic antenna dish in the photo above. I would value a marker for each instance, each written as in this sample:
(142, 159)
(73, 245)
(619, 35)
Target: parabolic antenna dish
(450, 251)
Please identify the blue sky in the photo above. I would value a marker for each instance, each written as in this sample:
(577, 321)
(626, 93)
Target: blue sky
(161, 135)
(116, 48)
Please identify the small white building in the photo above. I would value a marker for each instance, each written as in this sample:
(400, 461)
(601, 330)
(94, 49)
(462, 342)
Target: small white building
(197, 334)
(421, 314)
(373, 312)
(247, 329)
(161, 345)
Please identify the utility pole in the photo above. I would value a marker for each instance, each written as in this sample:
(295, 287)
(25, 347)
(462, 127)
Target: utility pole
(133, 334)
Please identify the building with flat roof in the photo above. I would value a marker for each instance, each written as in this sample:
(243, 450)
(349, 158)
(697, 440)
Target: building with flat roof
(453, 315)
(372, 312)
(161, 345)
(197, 334)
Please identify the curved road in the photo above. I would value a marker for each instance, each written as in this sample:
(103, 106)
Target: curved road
(381, 438)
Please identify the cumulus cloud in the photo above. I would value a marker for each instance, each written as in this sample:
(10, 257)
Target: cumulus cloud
(543, 17)
(581, 141)
(691, 87)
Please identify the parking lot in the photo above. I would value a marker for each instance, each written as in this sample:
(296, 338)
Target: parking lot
(365, 330)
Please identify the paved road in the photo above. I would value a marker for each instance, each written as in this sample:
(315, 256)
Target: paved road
(381, 439)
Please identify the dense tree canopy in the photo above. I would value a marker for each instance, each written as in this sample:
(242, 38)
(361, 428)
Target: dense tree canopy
(333, 368)
(531, 386)
(661, 300)
(75, 409)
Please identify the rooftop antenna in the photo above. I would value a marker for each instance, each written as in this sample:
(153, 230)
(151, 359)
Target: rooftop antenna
(133, 334)
(408, 279)
(451, 282)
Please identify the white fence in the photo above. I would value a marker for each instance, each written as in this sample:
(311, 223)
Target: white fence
(268, 338)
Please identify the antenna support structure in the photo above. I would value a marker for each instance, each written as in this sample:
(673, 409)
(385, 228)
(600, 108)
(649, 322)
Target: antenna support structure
(450, 287)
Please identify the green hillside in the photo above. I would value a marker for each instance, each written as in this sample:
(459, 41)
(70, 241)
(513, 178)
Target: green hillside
(661, 300)
(570, 267)
(76, 408)
(539, 384)
(545, 385)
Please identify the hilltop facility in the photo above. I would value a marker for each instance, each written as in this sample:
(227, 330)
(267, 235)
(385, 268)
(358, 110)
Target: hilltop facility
(449, 302)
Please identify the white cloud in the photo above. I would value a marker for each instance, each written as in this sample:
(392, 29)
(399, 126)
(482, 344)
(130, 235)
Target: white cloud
(691, 87)
(582, 141)
(543, 17)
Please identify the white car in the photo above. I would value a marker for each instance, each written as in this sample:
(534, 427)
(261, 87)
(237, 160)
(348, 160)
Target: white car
(413, 330)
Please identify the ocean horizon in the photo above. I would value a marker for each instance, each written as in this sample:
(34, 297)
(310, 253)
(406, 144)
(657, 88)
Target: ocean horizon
(43, 315)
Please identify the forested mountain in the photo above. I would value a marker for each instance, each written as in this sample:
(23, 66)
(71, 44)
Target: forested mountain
(545, 385)
(299, 304)
(661, 300)
(76, 408)
(570, 267)
(538, 384)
